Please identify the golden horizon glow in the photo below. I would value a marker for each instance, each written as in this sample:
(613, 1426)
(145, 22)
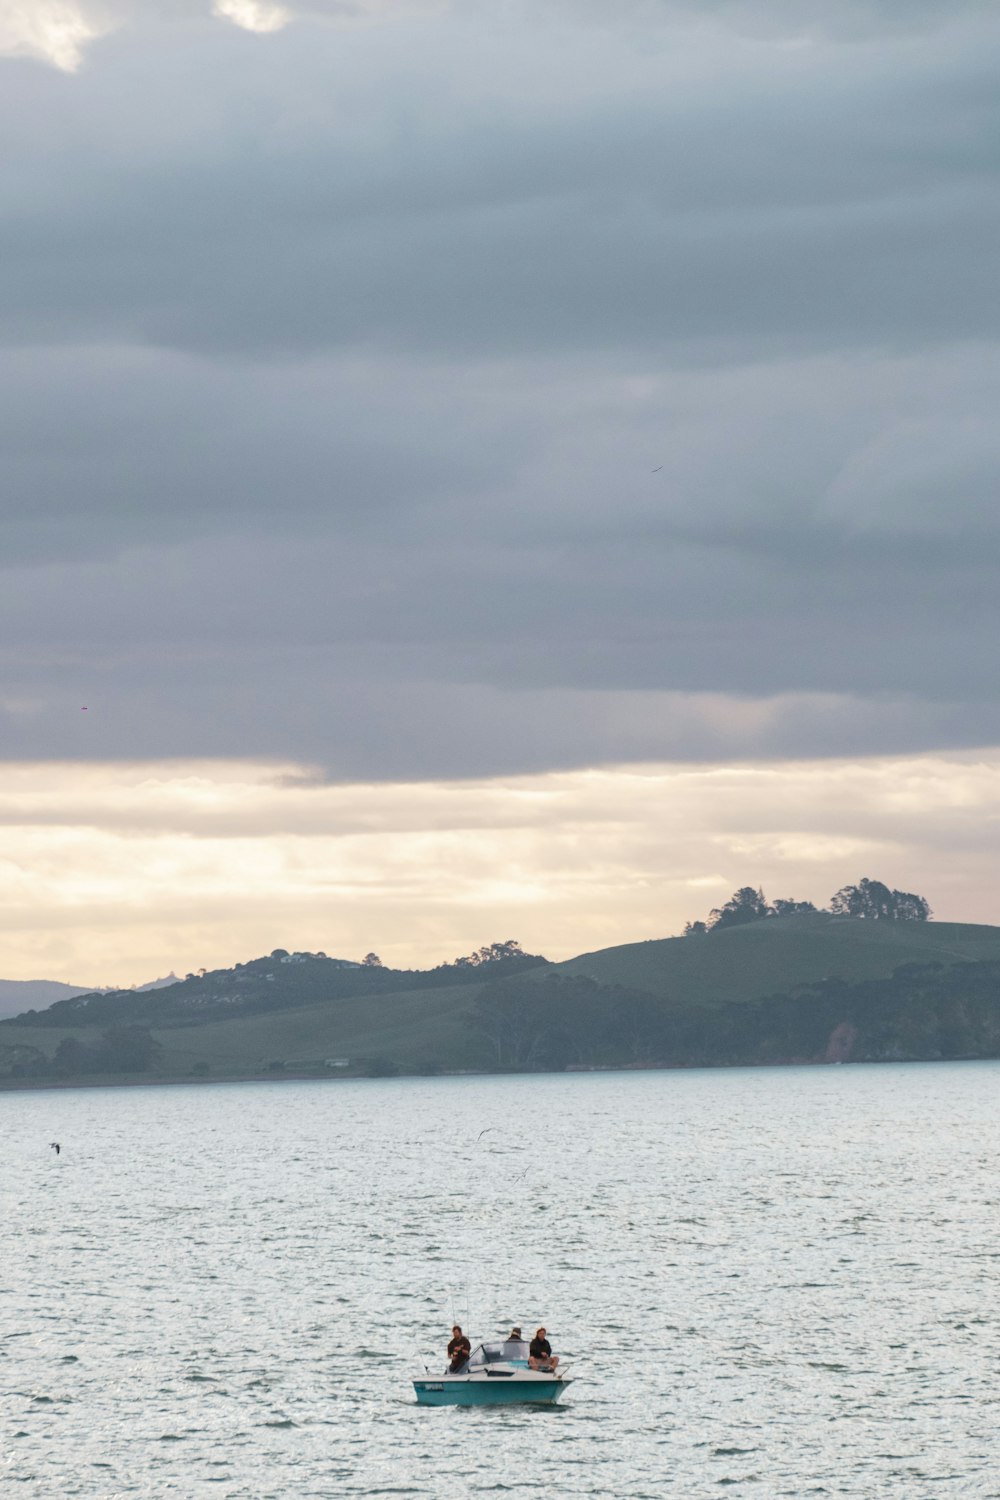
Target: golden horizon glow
(115, 874)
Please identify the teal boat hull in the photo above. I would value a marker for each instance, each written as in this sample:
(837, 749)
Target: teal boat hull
(494, 1391)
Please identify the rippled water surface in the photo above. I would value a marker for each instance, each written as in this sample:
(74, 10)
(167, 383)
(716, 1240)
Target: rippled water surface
(771, 1282)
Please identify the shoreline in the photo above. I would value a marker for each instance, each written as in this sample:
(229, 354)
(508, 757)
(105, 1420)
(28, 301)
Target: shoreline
(24, 1086)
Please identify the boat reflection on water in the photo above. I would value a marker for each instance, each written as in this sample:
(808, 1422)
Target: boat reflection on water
(494, 1375)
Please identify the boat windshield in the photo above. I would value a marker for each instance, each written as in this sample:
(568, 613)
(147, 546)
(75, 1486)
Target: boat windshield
(487, 1354)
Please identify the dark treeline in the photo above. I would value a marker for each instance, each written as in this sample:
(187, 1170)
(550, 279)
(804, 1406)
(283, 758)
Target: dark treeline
(922, 1012)
(496, 960)
(120, 1049)
(279, 981)
(869, 899)
(560, 1020)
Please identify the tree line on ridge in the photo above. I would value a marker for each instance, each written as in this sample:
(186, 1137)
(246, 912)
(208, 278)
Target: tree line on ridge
(869, 899)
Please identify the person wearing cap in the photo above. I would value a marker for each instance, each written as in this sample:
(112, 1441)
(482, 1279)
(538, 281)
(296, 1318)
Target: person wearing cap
(515, 1346)
(540, 1356)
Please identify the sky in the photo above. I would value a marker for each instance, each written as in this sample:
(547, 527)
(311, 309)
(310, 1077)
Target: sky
(499, 468)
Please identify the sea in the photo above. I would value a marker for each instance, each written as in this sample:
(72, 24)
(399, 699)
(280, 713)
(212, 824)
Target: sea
(764, 1282)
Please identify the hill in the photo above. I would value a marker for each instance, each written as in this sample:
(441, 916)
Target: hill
(413, 1031)
(799, 988)
(20, 995)
(280, 981)
(17, 995)
(737, 964)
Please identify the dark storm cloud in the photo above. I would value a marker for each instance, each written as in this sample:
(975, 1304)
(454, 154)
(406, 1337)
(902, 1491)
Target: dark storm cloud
(337, 365)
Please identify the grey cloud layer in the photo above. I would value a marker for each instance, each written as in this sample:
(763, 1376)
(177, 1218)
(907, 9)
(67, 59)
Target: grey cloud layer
(792, 201)
(336, 366)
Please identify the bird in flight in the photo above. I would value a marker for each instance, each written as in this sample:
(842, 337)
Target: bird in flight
(55, 1147)
(482, 1133)
(658, 468)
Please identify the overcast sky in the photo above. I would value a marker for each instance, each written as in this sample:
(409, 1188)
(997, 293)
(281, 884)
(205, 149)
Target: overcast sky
(416, 394)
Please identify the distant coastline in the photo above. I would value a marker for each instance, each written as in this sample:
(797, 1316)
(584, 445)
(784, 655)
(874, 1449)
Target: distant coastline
(809, 988)
(148, 1081)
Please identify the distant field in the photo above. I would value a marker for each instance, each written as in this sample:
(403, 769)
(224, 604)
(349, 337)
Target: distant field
(44, 1038)
(414, 1029)
(744, 963)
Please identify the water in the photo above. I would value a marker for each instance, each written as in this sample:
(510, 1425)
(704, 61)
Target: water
(771, 1282)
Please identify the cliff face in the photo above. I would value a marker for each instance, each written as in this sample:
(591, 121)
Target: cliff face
(920, 1013)
(840, 1043)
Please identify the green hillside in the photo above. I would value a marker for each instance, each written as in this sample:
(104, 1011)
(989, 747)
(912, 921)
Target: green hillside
(414, 1030)
(743, 963)
(771, 990)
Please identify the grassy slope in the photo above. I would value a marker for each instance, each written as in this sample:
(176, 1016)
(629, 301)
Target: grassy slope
(417, 1027)
(742, 963)
(43, 1038)
(412, 1028)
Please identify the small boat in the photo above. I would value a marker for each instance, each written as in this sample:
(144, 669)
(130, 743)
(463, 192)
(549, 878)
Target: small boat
(493, 1375)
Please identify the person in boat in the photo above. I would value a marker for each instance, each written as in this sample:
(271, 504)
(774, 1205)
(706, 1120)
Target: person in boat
(515, 1345)
(540, 1356)
(459, 1350)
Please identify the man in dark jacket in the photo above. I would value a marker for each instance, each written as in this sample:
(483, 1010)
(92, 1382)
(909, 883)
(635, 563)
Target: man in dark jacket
(540, 1356)
(459, 1350)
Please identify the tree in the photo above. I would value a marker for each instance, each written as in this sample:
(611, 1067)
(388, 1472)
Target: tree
(501, 958)
(72, 1056)
(911, 908)
(695, 929)
(783, 908)
(495, 953)
(744, 905)
(637, 1025)
(556, 1020)
(875, 902)
(380, 1067)
(371, 961)
(509, 1016)
(127, 1049)
(869, 898)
